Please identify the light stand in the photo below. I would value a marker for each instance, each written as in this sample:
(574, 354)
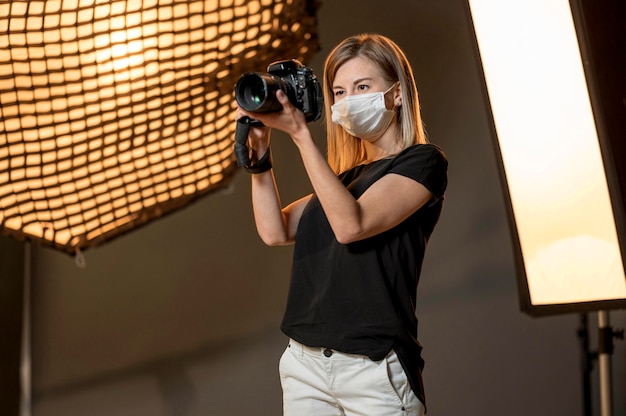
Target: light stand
(587, 358)
(606, 334)
(114, 114)
(605, 350)
(26, 350)
(554, 87)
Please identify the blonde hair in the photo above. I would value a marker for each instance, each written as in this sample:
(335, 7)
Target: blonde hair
(346, 151)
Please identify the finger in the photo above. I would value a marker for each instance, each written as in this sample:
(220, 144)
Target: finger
(240, 113)
(282, 97)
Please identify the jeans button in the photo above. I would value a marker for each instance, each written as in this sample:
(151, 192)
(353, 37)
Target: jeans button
(328, 352)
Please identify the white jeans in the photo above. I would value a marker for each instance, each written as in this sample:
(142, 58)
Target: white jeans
(324, 382)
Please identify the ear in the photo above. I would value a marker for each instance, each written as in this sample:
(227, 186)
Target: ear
(397, 96)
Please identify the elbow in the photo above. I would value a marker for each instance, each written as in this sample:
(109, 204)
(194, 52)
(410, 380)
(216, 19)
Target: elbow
(347, 235)
(273, 236)
(271, 242)
(274, 240)
(345, 239)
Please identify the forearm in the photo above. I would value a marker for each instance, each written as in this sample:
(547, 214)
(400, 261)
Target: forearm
(342, 210)
(270, 221)
(278, 226)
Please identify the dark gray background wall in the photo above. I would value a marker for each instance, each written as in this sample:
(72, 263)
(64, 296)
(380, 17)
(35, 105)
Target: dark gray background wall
(181, 317)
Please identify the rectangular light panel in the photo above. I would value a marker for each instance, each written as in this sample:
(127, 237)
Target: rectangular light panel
(550, 151)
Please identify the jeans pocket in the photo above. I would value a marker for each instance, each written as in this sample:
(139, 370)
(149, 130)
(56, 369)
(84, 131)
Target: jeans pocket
(398, 380)
(397, 377)
(282, 362)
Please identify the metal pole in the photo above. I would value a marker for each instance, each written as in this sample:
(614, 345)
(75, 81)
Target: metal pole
(605, 341)
(586, 364)
(25, 365)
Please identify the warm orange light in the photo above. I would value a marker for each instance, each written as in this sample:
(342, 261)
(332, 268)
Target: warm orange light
(115, 112)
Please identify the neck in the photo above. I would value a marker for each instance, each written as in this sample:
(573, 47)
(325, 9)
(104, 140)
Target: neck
(386, 145)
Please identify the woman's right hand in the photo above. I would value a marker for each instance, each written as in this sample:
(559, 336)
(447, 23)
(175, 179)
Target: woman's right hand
(258, 136)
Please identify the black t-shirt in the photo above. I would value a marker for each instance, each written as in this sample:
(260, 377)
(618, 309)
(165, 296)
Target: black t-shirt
(359, 298)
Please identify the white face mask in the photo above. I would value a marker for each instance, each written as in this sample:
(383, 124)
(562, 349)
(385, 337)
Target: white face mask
(363, 115)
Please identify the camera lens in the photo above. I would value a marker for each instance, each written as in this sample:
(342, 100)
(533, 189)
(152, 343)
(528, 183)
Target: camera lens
(256, 92)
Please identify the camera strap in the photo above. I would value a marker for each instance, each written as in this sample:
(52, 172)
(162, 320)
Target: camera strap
(242, 153)
(263, 165)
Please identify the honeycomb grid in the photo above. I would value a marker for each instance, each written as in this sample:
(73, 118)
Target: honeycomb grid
(114, 113)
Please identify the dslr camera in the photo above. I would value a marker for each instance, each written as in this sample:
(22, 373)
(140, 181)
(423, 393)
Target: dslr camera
(256, 92)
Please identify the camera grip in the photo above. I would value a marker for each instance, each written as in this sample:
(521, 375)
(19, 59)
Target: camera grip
(241, 138)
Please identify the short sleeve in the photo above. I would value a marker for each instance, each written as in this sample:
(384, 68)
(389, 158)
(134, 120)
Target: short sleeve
(426, 164)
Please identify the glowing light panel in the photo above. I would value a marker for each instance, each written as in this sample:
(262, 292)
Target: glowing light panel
(550, 150)
(115, 112)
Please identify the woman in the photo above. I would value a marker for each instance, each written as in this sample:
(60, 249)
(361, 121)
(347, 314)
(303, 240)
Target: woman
(359, 238)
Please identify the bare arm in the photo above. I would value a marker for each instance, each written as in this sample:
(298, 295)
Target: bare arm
(275, 225)
(385, 204)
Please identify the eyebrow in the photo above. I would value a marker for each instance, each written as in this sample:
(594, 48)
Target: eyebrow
(357, 81)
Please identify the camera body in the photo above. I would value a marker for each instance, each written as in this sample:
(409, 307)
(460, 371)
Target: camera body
(256, 92)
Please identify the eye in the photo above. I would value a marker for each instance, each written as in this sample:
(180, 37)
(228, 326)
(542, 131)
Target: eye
(339, 93)
(362, 87)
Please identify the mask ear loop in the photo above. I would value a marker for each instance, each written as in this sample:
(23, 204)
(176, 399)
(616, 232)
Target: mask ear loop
(396, 103)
